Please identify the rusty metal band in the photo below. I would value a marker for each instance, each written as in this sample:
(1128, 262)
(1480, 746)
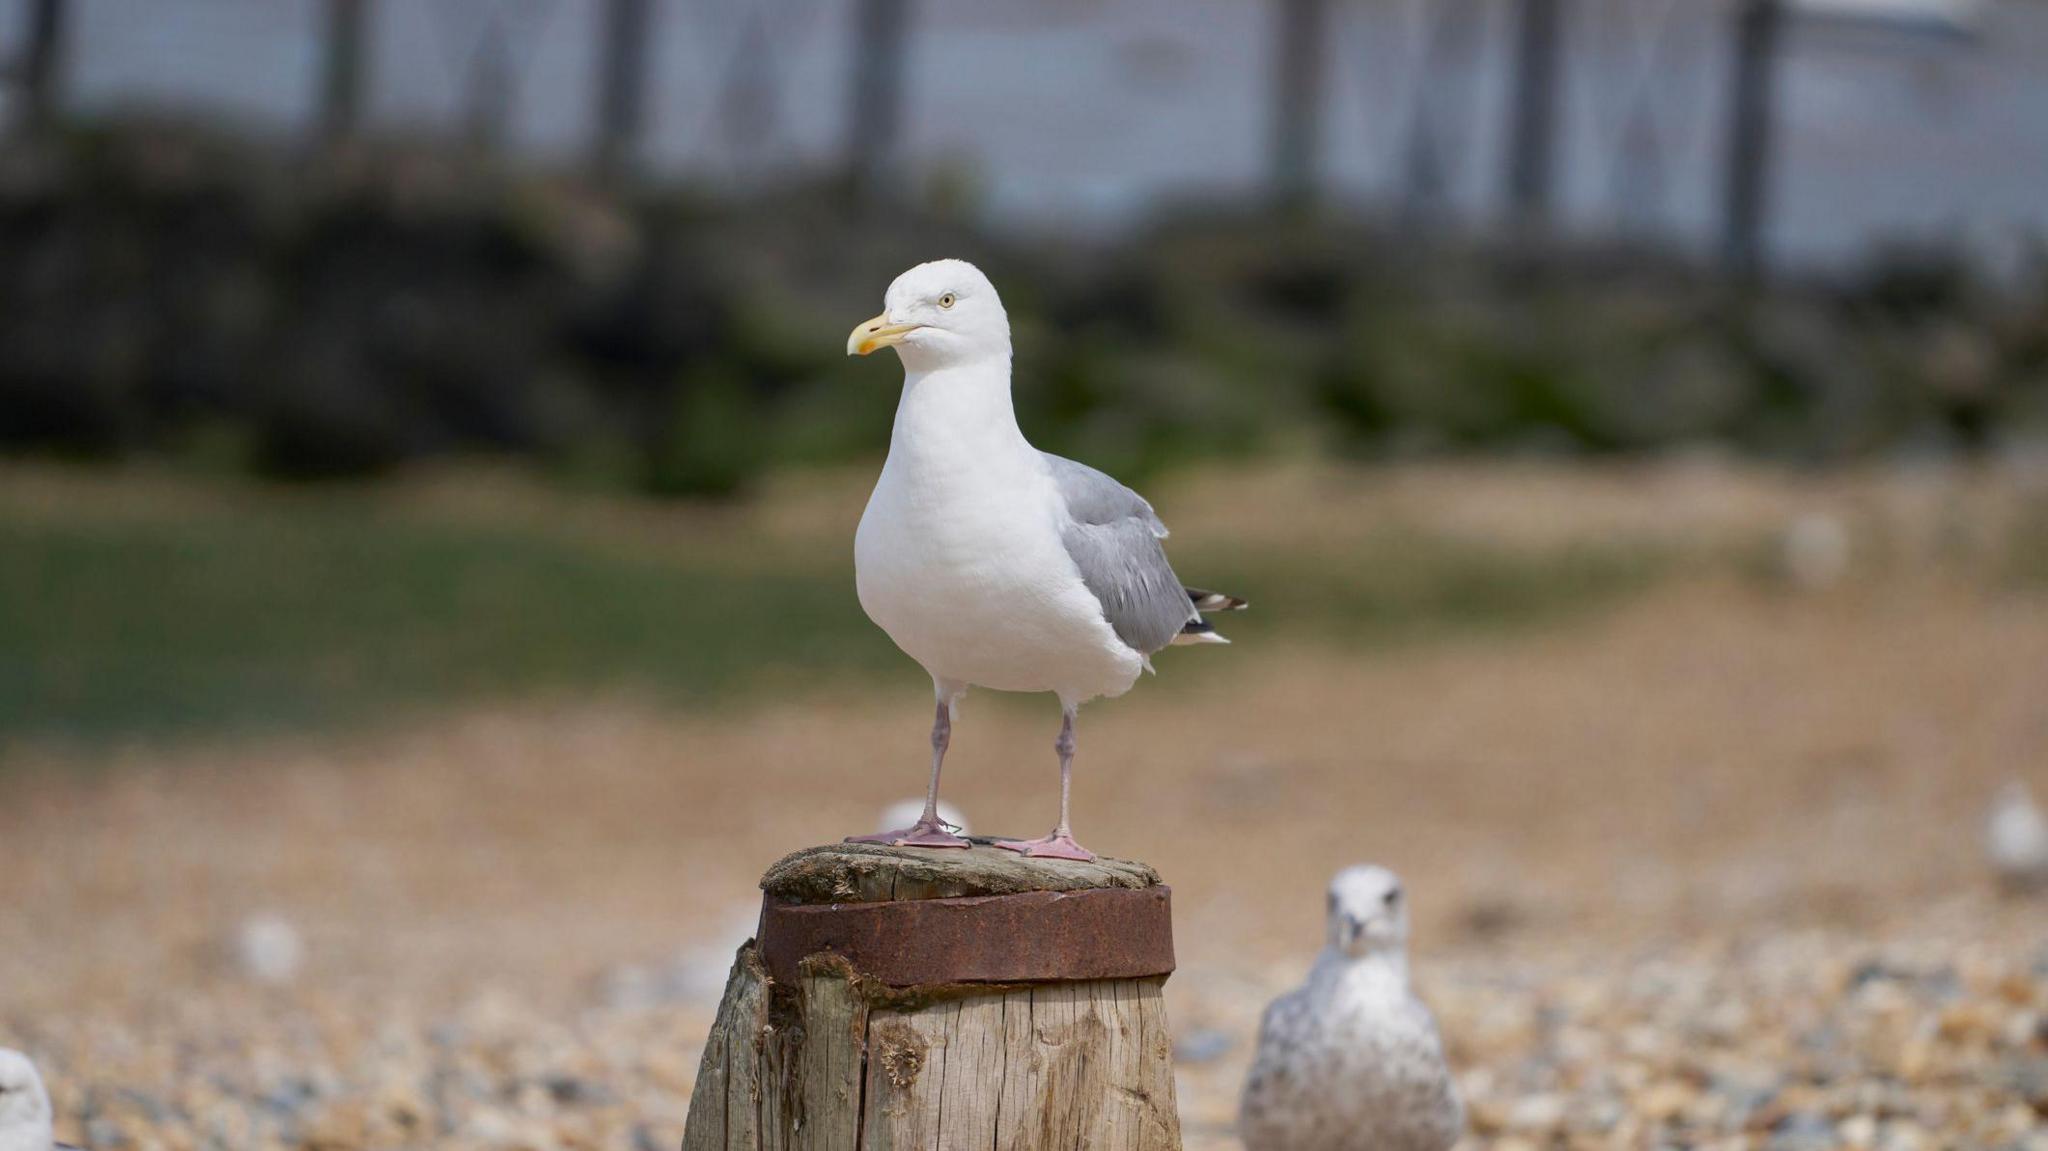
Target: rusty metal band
(1035, 937)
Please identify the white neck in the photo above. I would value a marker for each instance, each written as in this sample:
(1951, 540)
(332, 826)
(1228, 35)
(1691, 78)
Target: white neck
(1375, 970)
(958, 416)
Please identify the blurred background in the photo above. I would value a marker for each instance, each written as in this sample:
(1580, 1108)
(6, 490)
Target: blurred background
(429, 465)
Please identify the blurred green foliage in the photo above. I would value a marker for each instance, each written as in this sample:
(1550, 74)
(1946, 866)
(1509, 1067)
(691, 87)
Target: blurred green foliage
(336, 611)
(177, 294)
(281, 611)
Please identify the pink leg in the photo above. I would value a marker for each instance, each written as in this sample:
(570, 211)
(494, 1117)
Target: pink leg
(1060, 844)
(929, 830)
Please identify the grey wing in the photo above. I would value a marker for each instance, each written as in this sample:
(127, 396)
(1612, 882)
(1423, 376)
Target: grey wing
(1113, 537)
(1267, 1104)
(1094, 497)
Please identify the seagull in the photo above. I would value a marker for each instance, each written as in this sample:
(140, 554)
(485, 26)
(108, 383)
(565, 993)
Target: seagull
(268, 949)
(1351, 1059)
(24, 1107)
(994, 564)
(908, 811)
(2016, 839)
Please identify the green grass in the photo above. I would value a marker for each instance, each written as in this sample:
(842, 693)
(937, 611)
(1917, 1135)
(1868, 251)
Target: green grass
(1405, 584)
(327, 611)
(119, 627)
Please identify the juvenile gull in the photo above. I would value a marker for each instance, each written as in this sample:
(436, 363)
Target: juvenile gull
(990, 562)
(25, 1115)
(1351, 1059)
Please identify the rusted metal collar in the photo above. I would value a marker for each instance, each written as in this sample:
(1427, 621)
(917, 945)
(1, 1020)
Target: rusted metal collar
(1034, 937)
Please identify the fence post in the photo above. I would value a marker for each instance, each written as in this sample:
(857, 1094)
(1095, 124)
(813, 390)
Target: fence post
(1297, 98)
(1748, 159)
(341, 88)
(490, 89)
(875, 106)
(42, 63)
(622, 85)
(1533, 114)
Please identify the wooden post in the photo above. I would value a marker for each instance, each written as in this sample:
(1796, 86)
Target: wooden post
(1298, 98)
(622, 85)
(1748, 160)
(1533, 112)
(341, 84)
(875, 102)
(491, 83)
(899, 998)
(42, 63)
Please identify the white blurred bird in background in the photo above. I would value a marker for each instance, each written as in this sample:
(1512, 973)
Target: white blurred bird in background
(25, 1115)
(268, 949)
(905, 812)
(1351, 1060)
(2016, 840)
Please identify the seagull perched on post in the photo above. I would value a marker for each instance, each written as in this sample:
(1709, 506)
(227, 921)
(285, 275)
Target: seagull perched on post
(1351, 1060)
(993, 563)
(25, 1115)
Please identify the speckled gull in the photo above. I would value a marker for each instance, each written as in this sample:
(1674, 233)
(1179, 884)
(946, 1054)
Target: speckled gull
(990, 562)
(25, 1115)
(1351, 1059)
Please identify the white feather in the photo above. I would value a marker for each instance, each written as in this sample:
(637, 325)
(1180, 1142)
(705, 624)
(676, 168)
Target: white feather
(25, 1116)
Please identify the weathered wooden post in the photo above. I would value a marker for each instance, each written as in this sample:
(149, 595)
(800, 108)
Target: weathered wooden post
(899, 998)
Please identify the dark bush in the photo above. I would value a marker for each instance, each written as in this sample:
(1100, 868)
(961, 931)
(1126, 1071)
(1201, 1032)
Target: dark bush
(165, 291)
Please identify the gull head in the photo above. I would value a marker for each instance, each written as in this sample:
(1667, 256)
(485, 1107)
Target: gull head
(937, 314)
(1368, 912)
(24, 1105)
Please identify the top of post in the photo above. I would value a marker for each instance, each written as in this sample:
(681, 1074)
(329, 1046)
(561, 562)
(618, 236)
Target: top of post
(870, 873)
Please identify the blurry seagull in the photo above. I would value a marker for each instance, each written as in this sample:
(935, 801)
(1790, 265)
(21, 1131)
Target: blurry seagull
(1351, 1059)
(2016, 839)
(993, 563)
(25, 1116)
(906, 812)
(1816, 551)
(268, 949)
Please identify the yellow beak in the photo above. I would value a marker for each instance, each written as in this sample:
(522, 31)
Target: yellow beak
(877, 333)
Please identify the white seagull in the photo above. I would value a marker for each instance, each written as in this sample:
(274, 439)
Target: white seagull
(25, 1115)
(2016, 839)
(1351, 1060)
(990, 562)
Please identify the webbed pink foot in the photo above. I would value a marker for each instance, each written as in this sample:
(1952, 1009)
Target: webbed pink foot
(1058, 845)
(923, 833)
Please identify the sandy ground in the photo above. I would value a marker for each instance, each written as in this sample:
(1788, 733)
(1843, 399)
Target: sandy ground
(1702, 869)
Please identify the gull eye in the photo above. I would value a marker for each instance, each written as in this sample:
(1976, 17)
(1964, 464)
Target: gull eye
(1394, 897)
(948, 300)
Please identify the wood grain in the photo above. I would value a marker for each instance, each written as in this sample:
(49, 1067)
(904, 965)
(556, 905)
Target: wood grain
(830, 1060)
(871, 873)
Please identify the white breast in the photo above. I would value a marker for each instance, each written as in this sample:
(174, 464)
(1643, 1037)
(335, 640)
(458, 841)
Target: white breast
(958, 557)
(1357, 1064)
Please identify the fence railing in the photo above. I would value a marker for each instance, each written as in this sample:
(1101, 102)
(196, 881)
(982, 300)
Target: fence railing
(880, 36)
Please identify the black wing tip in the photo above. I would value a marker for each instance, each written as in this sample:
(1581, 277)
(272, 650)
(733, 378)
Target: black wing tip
(1199, 630)
(1214, 600)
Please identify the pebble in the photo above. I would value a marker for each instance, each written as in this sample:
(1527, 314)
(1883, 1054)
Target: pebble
(1203, 1045)
(1916, 1040)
